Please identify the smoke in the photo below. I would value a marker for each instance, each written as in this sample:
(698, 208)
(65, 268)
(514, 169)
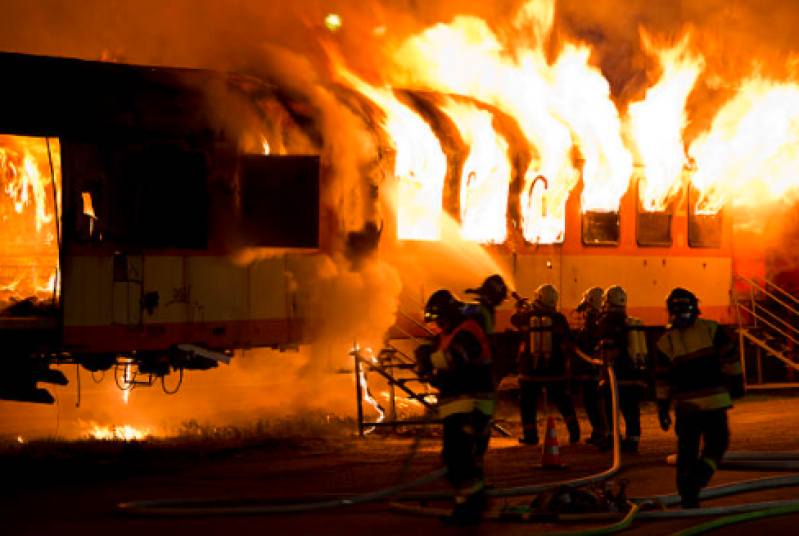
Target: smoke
(286, 44)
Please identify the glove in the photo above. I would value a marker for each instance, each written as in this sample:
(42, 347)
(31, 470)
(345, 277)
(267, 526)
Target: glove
(664, 416)
(424, 367)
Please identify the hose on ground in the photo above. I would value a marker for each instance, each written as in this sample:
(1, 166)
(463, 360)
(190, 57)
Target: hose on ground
(530, 490)
(724, 521)
(217, 507)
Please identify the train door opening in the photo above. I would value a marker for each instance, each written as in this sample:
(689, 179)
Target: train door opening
(30, 219)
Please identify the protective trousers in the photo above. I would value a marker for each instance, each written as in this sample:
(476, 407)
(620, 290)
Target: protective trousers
(528, 406)
(694, 472)
(629, 407)
(591, 401)
(466, 437)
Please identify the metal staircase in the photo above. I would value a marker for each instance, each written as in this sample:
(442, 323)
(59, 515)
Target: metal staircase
(768, 317)
(398, 369)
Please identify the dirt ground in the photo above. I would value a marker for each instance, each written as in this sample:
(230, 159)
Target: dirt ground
(53, 487)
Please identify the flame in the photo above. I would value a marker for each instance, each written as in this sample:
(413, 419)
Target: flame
(751, 151)
(420, 167)
(583, 102)
(657, 122)
(358, 351)
(486, 174)
(116, 433)
(31, 194)
(265, 146)
(553, 104)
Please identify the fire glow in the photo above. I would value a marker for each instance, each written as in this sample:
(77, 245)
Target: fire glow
(116, 433)
(573, 129)
(30, 174)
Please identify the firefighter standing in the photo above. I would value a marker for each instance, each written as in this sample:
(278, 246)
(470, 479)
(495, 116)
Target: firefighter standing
(458, 364)
(586, 373)
(490, 295)
(697, 370)
(614, 334)
(542, 362)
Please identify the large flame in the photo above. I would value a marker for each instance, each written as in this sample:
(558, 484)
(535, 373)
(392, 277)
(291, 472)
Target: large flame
(486, 174)
(657, 122)
(30, 174)
(751, 152)
(420, 165)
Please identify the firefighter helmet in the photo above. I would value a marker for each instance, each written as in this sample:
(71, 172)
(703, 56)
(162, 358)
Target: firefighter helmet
(493, 291)
(683, 307)
(614, 298)
(443, 305)
(592, 299)
(546, 297)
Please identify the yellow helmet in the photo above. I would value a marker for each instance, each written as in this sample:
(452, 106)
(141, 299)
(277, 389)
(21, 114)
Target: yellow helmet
(614, 297)
(546, 297)
(592, 299)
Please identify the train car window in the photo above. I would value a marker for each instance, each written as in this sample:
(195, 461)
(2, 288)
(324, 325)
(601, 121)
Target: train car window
(160, 198)
(704, 230)
(280, 201)
(30, 219)
(653, 228)
(601, 228)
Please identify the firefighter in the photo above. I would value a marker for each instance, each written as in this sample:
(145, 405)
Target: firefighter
(698, 370)
(458, 364)
(588, 374)
(542, 362)
(618, 334)
(490, 295)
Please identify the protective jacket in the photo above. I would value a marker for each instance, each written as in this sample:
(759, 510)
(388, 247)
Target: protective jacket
(463, 376)
(695, 366)
(483, 313)
(542, 356)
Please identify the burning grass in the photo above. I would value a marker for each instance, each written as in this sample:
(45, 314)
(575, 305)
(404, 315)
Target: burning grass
(115, 454)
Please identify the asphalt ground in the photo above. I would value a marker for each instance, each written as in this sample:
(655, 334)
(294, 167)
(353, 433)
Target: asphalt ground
(60, 488)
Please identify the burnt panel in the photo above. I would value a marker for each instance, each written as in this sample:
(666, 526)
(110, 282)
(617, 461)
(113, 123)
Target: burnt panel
(652, 228)
(280, 201)
(601, 228)
(160, 198)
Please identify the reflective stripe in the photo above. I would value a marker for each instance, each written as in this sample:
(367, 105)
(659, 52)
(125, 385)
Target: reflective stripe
(470, 325)
(466, 491)
(712, 463)
(440, 359)
(703, 403)
(451, 406)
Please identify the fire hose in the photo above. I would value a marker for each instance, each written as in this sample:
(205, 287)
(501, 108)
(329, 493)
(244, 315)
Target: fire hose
(234, 507)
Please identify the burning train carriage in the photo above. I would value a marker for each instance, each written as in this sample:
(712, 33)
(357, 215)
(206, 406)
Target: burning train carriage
(143, 197)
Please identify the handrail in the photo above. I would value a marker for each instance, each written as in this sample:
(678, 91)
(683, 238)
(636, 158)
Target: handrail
(773, 315)
(766, 347)
(758, 286)
(745, 308)
(782, 290)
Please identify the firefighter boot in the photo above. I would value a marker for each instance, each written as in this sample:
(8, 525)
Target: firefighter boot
(630, 444)
(467, 510)
(529, 439)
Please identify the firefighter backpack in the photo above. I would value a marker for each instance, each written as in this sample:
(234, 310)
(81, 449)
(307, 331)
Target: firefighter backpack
(636, 342)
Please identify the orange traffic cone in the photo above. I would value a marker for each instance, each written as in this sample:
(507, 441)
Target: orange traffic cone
(550, 457)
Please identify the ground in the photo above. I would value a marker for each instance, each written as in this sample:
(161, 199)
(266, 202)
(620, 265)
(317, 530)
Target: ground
(56, 487)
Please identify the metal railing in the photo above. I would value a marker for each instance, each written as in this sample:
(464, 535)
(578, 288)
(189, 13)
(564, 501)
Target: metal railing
(756, 315)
